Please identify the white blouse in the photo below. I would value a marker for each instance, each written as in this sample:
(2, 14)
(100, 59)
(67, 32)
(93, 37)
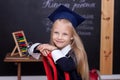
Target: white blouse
(57, 54)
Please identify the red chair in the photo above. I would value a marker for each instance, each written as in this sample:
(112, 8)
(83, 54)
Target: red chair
(94, 74)
(50, 69)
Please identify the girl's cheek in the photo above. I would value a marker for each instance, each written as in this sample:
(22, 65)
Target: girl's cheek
(54, 36)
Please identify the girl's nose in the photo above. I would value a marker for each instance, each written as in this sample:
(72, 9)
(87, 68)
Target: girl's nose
(59, 36)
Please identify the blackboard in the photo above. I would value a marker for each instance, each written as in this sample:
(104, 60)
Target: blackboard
(31, 17)
(116, 47)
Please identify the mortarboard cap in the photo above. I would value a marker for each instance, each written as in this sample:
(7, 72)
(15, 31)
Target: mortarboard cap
(63, 12)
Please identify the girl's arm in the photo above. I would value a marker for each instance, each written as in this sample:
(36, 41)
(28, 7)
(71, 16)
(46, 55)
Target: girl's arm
(64, 63)
(33, 51)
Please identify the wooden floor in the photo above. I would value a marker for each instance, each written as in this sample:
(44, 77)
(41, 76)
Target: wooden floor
(110, 77)
(104, 77)
(23, 78)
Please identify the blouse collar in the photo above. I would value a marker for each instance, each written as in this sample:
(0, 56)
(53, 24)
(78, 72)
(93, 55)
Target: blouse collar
(66, 49)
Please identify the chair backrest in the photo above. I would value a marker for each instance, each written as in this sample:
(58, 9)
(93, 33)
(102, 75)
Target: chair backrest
(50, 67)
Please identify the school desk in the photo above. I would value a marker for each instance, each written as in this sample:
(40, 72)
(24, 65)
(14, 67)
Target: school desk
(19, 60)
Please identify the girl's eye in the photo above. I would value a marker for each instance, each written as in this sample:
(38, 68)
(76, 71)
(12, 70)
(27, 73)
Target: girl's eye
(65, 34)
(56, 32)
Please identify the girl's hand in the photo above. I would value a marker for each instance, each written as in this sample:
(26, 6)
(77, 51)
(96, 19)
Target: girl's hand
(46, 48)
(45, 52)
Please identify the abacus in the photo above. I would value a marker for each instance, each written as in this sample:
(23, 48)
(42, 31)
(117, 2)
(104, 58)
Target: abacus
(21, 43)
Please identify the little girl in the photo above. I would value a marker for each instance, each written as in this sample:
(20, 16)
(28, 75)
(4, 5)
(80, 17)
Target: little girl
(65, 45)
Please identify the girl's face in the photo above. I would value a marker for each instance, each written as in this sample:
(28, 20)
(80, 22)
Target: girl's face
(61, 34)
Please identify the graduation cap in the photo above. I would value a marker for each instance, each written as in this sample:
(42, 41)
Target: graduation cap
(63, 12)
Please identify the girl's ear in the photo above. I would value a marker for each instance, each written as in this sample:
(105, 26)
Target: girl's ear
(71, 38)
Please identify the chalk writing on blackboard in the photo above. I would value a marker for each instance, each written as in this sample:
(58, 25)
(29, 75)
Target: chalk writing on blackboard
(85, 8)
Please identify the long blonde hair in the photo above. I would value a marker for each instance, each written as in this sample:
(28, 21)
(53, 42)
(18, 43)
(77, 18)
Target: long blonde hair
(78, 48)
